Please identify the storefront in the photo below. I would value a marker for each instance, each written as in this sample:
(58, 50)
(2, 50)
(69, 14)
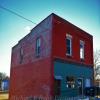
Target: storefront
(71, 79)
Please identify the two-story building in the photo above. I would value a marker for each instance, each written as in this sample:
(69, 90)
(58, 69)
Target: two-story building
(54, 59)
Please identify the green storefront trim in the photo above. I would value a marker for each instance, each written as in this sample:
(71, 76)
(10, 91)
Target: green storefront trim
(70, 69)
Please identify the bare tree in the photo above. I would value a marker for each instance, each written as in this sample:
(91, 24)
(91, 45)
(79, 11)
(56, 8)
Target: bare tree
(96, 63)
(96, 58)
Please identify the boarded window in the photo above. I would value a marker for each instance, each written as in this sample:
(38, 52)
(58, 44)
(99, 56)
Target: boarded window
(38, 45)
(21, 55)
(57, 87)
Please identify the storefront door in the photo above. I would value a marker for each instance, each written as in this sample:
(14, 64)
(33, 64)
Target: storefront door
(80, 85)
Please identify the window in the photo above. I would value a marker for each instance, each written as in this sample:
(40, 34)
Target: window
(21, 55)
(81, 49)
(69, 44)
(70, 80)
(38, 45)
(87, 82)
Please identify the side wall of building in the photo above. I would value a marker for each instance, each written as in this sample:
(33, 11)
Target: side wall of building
(31, 75)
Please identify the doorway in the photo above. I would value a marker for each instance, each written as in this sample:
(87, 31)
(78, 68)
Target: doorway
(57, 87)
(80, 85)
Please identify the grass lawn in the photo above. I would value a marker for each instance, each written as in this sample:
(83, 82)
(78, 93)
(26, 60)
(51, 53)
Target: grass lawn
(3, 95)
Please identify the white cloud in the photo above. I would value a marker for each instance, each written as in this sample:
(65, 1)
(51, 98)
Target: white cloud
(28, 29)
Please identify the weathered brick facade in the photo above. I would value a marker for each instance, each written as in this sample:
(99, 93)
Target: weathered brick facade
(34, 76)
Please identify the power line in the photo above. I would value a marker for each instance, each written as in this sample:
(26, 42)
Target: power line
(13, 12)
(6, 9)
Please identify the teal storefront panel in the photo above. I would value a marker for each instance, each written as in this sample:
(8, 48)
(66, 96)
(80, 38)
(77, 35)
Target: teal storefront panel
(68, 69)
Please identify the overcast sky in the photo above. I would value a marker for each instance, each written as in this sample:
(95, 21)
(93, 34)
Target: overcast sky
(82, 13)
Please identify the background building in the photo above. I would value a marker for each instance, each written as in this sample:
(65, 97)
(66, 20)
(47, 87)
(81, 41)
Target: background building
(5, 85)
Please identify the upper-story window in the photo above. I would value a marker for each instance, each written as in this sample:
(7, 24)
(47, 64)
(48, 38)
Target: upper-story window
(69, 44)
(81, 49)
(38, 45)
(21, 55)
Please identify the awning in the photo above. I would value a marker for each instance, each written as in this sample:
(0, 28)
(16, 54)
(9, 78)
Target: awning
(58, 77)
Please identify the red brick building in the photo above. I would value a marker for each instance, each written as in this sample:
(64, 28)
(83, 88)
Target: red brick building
(55, 58)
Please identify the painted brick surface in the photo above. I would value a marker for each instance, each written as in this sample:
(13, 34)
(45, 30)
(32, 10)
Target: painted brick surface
(60, 28)
(28, 44)
(32, 77)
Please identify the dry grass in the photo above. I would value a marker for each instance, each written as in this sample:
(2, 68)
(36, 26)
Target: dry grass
(3, 95)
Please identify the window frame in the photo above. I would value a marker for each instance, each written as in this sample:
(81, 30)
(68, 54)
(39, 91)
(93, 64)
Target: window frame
(38, 46)
(69, 37)
(82, 56)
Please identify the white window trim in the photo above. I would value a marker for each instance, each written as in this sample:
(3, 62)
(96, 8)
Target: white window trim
(82, 43)
(58, 77)
(68, 36)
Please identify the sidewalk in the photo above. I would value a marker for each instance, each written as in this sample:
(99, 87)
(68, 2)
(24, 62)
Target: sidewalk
(3, 95)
